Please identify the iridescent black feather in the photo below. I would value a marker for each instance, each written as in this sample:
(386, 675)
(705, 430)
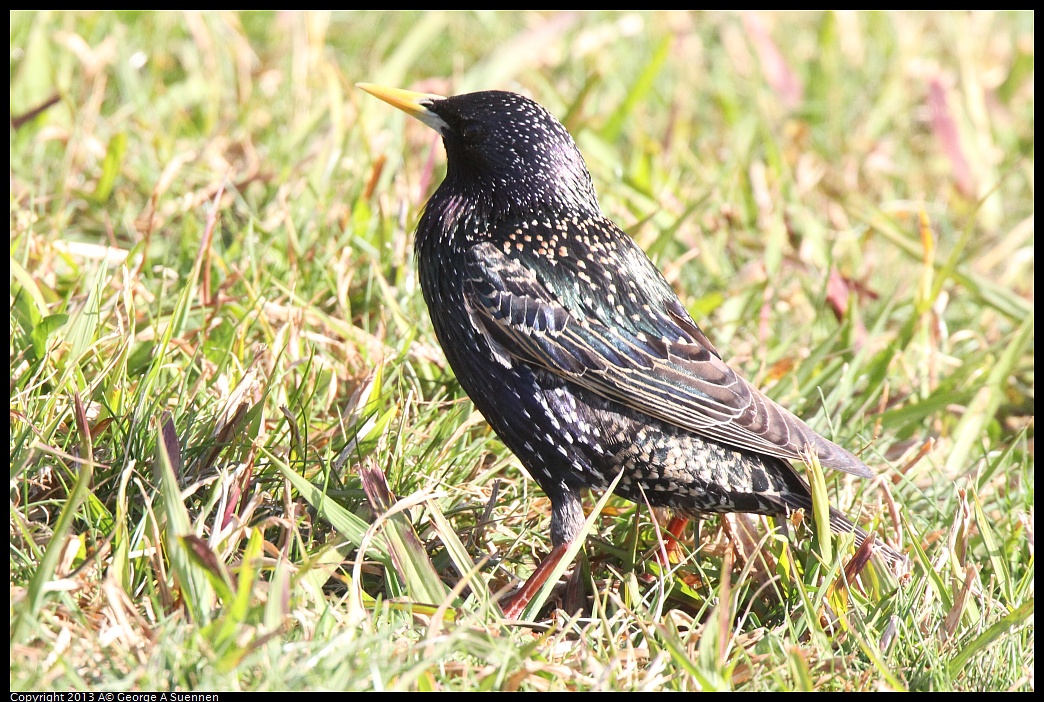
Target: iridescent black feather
(574, 347)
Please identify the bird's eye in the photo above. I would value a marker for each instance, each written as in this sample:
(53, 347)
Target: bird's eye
(472, 131)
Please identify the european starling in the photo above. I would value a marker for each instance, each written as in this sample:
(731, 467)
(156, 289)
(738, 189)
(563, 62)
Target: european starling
(573, 346)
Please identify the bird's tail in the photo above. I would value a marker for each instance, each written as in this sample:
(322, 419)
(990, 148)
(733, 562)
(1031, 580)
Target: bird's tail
(795, 494)
(840, 524)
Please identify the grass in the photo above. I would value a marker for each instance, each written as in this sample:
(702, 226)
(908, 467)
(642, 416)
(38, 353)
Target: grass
(240, 462)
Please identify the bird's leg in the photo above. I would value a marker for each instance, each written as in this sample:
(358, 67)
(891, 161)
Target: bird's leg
(517, 602)
(567, 521)
(674, 532)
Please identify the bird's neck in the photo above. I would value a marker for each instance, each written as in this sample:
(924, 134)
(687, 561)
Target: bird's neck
(468, 212)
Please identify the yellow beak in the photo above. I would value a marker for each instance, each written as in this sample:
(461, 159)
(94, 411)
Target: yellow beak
(413, 104)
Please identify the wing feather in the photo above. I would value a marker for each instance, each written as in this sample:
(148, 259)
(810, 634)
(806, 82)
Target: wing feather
(678, 378)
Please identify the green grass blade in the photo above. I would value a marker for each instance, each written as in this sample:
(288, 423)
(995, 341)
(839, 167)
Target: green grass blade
(538, 601)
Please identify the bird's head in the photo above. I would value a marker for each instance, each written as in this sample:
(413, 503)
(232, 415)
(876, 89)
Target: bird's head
(504, 152)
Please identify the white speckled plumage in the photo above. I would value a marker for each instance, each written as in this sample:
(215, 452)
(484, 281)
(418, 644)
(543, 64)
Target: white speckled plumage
(546, 309)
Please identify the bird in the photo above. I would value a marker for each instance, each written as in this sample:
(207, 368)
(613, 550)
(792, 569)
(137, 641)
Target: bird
(575, 348)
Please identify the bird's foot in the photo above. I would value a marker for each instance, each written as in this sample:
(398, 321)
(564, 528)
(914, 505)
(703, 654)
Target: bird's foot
(671, 539)
(516, 603)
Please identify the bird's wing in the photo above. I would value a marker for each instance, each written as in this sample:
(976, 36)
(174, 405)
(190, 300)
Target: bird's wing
(677, 378)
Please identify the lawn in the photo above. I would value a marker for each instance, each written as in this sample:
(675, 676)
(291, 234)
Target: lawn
(240, 461)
